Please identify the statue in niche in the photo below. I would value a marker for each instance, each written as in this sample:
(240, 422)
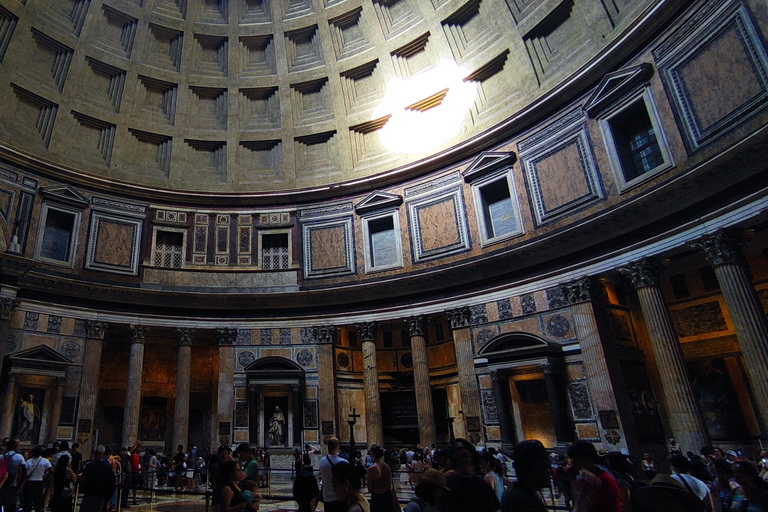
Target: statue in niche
(27, 416)
(277, 427)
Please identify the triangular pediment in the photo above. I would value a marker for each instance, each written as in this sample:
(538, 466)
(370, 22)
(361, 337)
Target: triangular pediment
(486, 163)
(65, 194)
(378, 201)
(41, 356)
(615, 85)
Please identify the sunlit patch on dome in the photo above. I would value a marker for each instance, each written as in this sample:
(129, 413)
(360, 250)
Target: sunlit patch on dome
(426, 110)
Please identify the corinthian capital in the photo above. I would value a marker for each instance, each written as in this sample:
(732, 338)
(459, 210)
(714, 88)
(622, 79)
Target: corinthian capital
(580, 290)
(459, 317)
(95, 330)
(226, 336)
(722, 248)
(186, 335)
(325, 333)
(7, 305)
(642, 273)
(417, 325)
(367, 330)
(138, 333)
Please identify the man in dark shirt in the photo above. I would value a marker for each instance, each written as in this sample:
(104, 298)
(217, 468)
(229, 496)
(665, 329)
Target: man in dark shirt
(77, 457)
(97, 482)
(531, 464)
(469, 490)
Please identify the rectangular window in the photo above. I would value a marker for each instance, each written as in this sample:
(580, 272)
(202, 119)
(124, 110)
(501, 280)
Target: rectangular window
(383, 248)
(57, 235)
(169, 249)
(497, 209)
(274, 252)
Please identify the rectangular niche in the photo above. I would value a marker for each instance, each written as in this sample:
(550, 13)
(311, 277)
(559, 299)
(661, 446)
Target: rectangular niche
(118, 33)
(255, 11)
(413, 57)
(159, 99)
(215, 12)
(347, 34)
(491, 86)
(259, 108)
(51, 63)
(396, 16)
(362, 86)
(316, 155)
(68, 14)
(173, 8)
(152, 155)
(559, 167)
(311, 102)
(329, 248)
(107, 84)
(468, 32)
(34, 115)
(164, 48)
(209, 107)
(296, 8)
(366, 146)
(8, 22)
(102, 136)
(210, 55)
(257, 57)
(260, 161)
(209, 156)
(303, 49)
(438, 225)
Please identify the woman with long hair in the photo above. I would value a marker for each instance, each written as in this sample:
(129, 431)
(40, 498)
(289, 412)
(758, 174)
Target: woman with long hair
(490, 468)
(233, 497)
(378, 479)
(64, 481)
(306, 492)
(347, 481)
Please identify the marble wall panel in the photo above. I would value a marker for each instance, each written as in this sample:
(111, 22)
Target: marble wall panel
(438, 225)
(329, 248)
(114, 244)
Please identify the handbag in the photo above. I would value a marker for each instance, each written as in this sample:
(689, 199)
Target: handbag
(67, 490)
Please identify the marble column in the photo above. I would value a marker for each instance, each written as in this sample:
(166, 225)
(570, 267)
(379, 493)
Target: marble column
(554, 381)
(183, 376)
(325, 337)
(504, 409)
(470, 423)
(374, 430)
(133, 386)
(53, 420)
(225, 406)
(417, 329)
(683, 414)
(293, 435)
(7, 306)
(9, 409)
(724, 253)
(89, 384)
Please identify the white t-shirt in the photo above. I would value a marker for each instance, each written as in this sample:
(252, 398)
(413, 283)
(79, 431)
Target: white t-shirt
(698, 487)
(326, 473)
(36, 468)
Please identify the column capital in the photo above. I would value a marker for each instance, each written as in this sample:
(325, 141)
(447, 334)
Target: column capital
(138, 333)
(367, 330)
(325, 333)
(226, 336)
(417, 325)
(580, 290)
(7, 305)
(722, 247)
(95, 330)
(459, 317)
(642, 273)
(186, 335)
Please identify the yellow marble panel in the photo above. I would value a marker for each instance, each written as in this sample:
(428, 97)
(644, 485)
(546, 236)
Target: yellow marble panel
(540, 299)
(310, 392)
(574, 371)
(561, 177)
(492, 310)
(241, 393)
(327, 245)
(516, 306)
(310, 436)
(31, 340)
(67, 326)
(275, 352)
(438, 225)
(529, 325)
(42, 323)
(493, 432)
(485, 381)
(241, 436)
(114, 243)
(586, 431)
(64, 432)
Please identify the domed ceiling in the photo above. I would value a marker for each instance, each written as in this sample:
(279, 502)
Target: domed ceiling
(259, 96)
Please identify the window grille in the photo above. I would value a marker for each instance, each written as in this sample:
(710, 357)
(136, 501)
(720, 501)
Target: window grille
(274, 252)
(169, 249)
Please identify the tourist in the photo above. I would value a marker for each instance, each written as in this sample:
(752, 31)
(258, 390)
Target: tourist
(649, 467)
(620, 469)
(150, 469)
(9, 493)
(37, 467)
(431, 494)
(755, 488)
(490, 468)
(296, 463)
(681, 467)
(594, 489)
(77, 457)
(378, 479)
(48, 453)
(97, 482)
(306, 492)
(307, 458)
(469, 490)
(531, 464)
(64, 480)
(665, 494)
(191, 467)
(233, 497)
(179, 468)
(331, 502)
(248, 462)
(347, 481)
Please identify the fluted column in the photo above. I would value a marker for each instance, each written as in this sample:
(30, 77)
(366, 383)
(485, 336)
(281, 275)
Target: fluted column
(680, 403)
(89, 384)
(183, 369)
(724, 253)
(225, 406)
(417, 329)
(325, 337)
(7, 306)
(465, 366)
(53, 420)
(374, 431)
(8, 407)
(133, 387)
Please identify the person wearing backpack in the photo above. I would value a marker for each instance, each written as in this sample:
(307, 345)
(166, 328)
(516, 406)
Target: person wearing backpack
(12, 461)
(37, 468)
(331, 502)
